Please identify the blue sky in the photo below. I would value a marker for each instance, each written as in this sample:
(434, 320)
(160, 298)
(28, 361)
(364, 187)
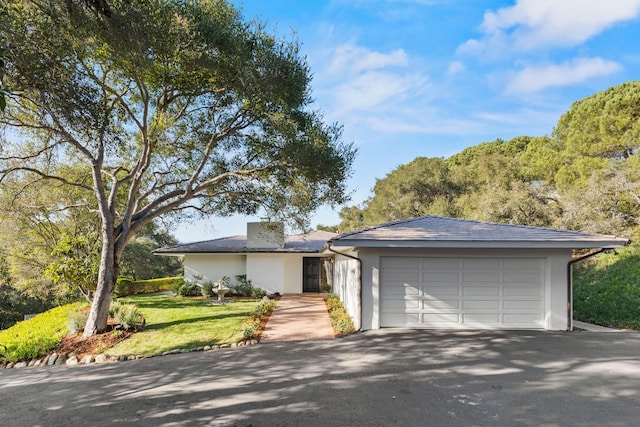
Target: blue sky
(410, 78)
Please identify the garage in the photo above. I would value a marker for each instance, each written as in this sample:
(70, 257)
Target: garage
(436, 292)
(436, 272)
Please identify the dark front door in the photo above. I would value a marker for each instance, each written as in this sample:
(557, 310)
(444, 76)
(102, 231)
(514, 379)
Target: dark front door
(310, 274)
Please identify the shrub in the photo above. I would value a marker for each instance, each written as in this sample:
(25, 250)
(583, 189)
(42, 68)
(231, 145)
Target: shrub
(329, 296)
(129, 317)
(189, 290)
(76, 321)
(175, 289)
(249, 328)
(114, 308)
(207, 290)
(244, 287)
(126, 286)
(258, 293)
(265, 306)
(340, 319)
(333, 304)
(34, 337)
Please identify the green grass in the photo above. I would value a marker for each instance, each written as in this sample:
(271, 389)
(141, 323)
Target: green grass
(34, 337)
(607, 289)
(183, 323)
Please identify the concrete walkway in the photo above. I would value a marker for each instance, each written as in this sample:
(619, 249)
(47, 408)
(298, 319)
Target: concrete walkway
(298, 318)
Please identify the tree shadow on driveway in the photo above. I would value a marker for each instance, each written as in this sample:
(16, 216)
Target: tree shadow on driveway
(377, 378)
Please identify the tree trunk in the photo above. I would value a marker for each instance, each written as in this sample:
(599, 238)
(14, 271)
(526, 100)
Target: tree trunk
(99, 312)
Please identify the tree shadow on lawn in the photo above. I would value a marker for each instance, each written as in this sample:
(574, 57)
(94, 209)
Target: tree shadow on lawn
(390, 377)
(153, 326)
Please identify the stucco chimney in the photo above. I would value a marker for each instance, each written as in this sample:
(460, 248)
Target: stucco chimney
(265, 235)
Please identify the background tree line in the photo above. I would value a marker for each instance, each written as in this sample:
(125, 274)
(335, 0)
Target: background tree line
(584, 176)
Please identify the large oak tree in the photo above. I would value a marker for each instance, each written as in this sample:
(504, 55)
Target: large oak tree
(170, 105)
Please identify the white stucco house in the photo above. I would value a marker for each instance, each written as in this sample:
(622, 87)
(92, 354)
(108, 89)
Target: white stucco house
(426, 272)
(272, 261)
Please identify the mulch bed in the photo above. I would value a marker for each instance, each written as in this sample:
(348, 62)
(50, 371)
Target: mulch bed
(74, 343)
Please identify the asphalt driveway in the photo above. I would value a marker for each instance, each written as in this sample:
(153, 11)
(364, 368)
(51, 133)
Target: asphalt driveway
(379, 378)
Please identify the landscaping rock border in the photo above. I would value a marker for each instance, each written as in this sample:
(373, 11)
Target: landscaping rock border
(71, 359)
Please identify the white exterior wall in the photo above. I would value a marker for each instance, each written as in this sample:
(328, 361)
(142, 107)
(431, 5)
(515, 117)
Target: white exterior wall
(214, 267)
(555, 291)
(292, 276)
(266, 271)
(346, 285)
(273, 272)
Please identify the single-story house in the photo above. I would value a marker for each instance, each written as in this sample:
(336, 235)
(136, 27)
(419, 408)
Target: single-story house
(426, 272)
(272, 261)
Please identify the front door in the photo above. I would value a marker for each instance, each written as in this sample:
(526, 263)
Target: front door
(311, 274)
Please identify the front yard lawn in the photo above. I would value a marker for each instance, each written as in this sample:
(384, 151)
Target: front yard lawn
(183, 323)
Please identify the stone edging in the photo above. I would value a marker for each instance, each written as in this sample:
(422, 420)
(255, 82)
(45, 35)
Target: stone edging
(71, 359)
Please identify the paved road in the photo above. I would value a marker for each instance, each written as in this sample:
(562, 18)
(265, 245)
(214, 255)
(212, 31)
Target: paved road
(379, 378)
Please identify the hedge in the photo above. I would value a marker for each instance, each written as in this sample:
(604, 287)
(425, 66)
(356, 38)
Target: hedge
(126, 286)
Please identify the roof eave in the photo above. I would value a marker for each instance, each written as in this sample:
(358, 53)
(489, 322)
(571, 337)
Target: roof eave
(481, 244)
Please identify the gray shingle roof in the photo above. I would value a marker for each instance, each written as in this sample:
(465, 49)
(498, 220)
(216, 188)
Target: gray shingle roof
(303, 243)
(432, 231)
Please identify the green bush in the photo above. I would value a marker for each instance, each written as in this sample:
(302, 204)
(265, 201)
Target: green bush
(249, 328)
(76, 321)
(126, 286)
(207, 290)
(189, 290)
(128, 317)
(258, 293)
(114, 308)
(34, 337)
(265, 306)
(340, 319)
(244, 287)
(606, 289)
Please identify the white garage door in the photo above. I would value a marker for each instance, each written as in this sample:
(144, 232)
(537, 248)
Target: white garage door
(462, 292)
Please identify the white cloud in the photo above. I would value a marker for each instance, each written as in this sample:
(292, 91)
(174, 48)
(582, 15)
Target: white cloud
(373, 90)
(536, 78)
(535, 24)
(455, 67)
(354, 59)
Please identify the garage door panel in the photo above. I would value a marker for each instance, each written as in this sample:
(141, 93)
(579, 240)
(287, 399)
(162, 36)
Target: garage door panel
(400, 264)
(400, 304)
(439, 291)
(401, 319)
(522, 277)
(522, 291)
(440, 318)
(521, 305)
(473, 291)
(430, 305)
(522, 319)
(441, 277)
(462, 292)
(480, 277)
(399, 291)
(476, 319)
(481, 304)
(480, 264)
(440, 264)
(401, 276)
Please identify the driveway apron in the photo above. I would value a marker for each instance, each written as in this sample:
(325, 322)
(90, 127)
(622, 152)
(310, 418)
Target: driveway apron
(298, 318)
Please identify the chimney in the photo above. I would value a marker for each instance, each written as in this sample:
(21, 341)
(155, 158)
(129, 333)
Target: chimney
(265, 235)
